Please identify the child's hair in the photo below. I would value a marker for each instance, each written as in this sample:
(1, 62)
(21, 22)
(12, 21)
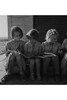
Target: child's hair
(16, 29)
(51, 32)
(33, 33)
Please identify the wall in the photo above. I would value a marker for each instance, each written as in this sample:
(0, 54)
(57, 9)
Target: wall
(43, 23)
(24, 22)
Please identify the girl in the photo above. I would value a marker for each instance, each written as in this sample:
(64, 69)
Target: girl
(32, 49)
(52, 46)
(64, 59)
(13, 49)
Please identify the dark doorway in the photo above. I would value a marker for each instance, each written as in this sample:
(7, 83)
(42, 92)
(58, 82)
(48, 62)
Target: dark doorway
(44, 23)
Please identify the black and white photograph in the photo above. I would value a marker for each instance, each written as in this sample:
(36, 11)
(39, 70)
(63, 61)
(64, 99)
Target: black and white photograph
(33, 49)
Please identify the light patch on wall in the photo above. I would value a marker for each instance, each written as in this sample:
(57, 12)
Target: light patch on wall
(3, 27)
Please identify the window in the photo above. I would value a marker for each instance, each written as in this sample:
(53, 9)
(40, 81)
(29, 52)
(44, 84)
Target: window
(3, 27)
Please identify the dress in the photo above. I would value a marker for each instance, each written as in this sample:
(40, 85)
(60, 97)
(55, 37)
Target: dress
(13, 45)
(32, 49)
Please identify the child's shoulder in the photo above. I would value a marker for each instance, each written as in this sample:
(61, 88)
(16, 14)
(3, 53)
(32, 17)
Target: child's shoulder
(65, 41)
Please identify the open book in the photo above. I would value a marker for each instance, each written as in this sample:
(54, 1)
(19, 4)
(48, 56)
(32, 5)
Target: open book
(46, 54)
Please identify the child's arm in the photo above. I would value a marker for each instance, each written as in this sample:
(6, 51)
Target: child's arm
(7, 49)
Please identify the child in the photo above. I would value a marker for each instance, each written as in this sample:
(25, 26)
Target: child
(13, 49)
(32, 49)
(64, 59)
(52, 46)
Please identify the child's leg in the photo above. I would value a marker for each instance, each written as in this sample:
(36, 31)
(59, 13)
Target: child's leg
(23, 63)
(64, 73)
(64, 66)
(64, 61)
(32, 69)
(19, 62)
(10, 63)
(46, 62)
(38, 68)
(55, 62)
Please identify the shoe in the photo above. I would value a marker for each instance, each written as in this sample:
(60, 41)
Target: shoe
(5, 78)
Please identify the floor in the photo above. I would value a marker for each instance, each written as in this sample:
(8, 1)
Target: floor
(2, 66)
(17, 80)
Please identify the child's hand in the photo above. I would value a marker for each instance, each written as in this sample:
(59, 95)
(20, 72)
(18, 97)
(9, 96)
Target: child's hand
(13, 51)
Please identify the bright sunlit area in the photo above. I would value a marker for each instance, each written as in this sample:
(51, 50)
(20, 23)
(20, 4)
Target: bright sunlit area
(3, 36)
(3, 27)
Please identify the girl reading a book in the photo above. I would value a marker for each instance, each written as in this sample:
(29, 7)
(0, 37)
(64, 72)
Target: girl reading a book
(51, 45)
(32, 49)
(13, 53)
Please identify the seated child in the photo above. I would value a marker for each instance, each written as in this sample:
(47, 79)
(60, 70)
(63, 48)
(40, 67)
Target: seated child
(64, 59)
(32, 49)
(13, 53)
(51, 45)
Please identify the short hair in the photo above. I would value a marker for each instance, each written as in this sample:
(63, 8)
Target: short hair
(33, 33)
(51, 32)
(16, 29)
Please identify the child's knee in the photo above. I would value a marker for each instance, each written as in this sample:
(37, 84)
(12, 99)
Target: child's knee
(46, 60)
(12, 57)
(18, 57)
(55, 59)
(64, 70)
(31, 61)
(37, 61)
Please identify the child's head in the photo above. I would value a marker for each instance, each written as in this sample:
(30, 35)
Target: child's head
(33, 34)
(52, 35)
(16, 32)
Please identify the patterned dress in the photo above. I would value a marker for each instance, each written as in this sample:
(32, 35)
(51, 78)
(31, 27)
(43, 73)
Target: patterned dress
(51, 47)
(13, 45)
(32, 49)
